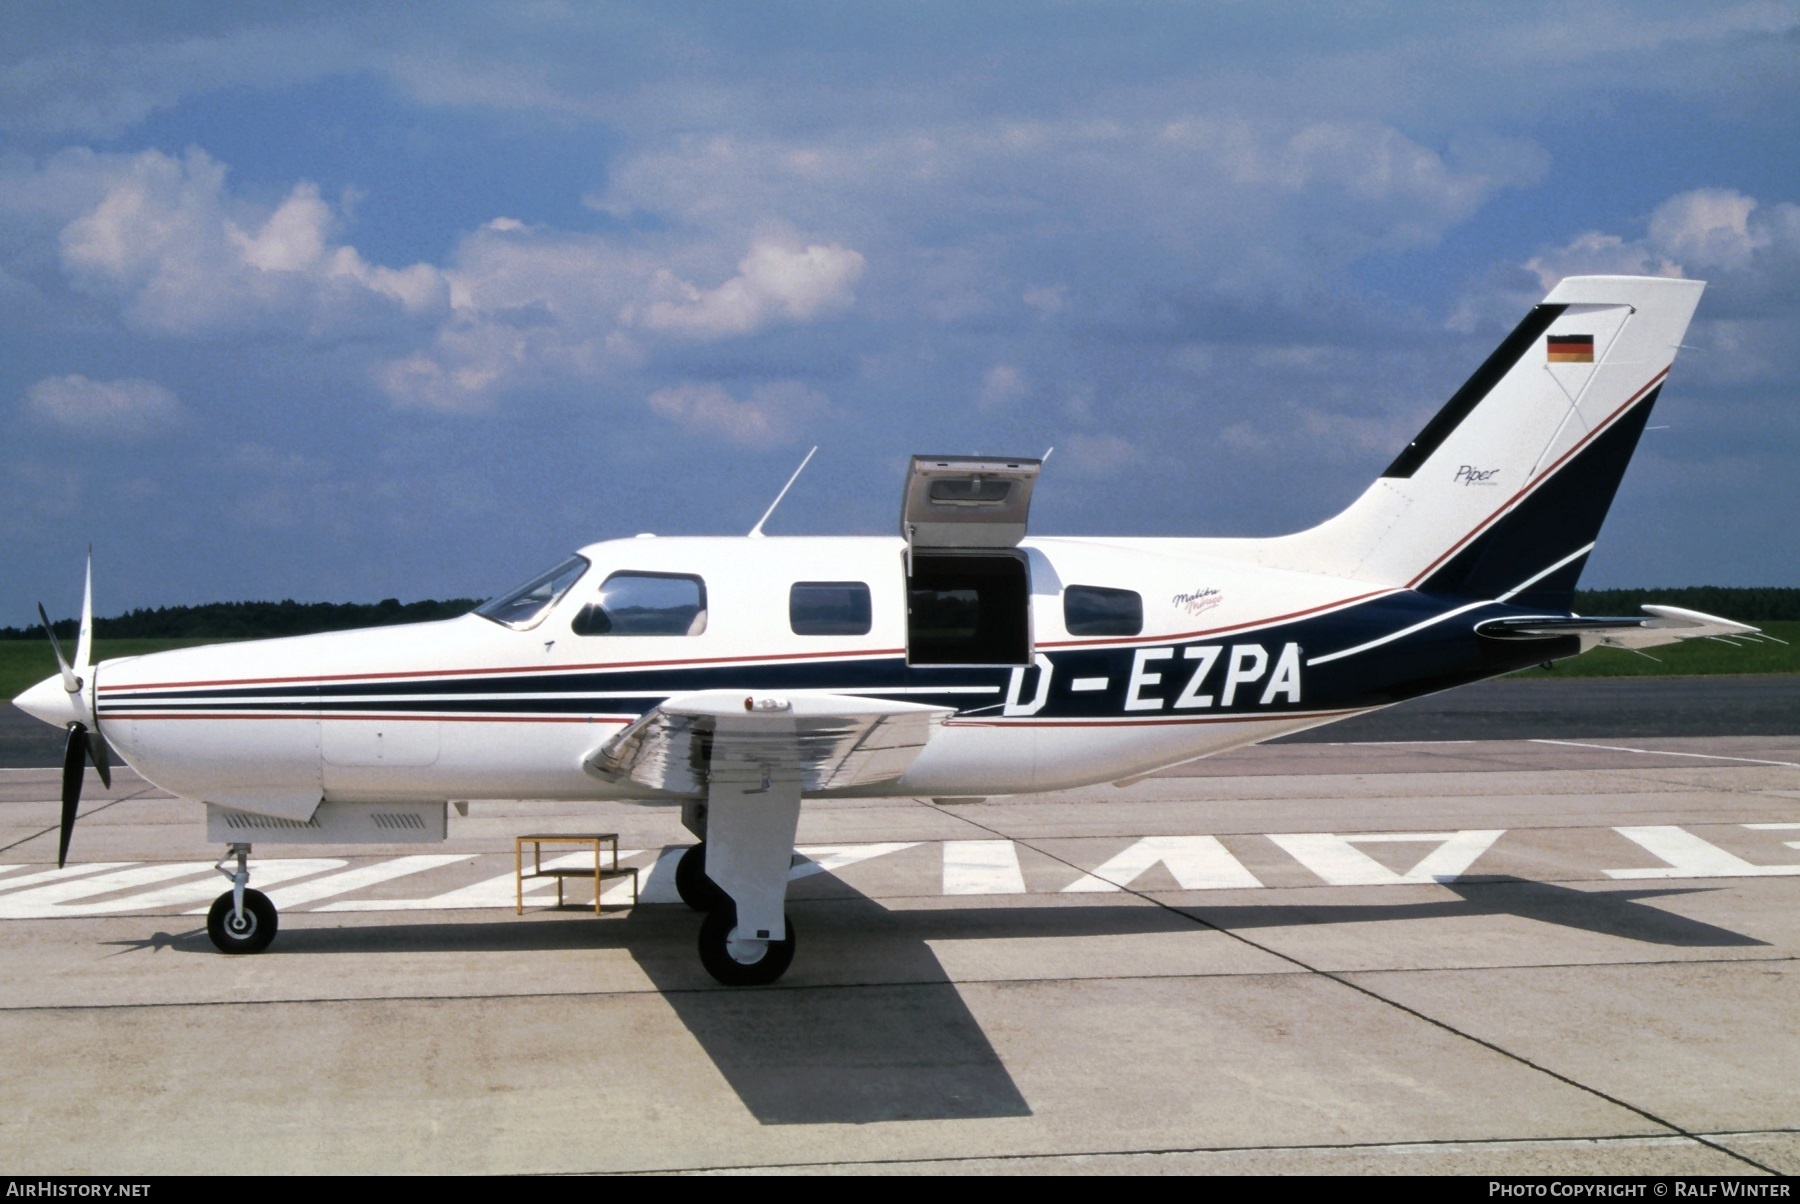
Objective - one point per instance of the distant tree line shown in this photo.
(261, 620)
(252, 620)
(1746, 604)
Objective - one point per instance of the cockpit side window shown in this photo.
(645, 604)
(1096, 610)
(526, 606)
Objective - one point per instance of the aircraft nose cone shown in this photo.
(49, 701)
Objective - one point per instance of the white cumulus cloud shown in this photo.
(184, 256)
(108, 408)
(531, 307)
(772, 414)
(1259, 195)
(1099, 455)
(1002, 385)
(774, 283)
(1704, 232)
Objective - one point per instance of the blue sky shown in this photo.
(332, 303)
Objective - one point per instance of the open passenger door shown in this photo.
(968, 586)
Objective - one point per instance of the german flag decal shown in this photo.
(1571, 348)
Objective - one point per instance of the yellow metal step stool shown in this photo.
(599, 873)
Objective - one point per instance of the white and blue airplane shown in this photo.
(736, 676)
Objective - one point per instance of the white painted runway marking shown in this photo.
(63, 875)
(210, 885)
(361, 876)
(1339, 862)
(1663, 752)
(825, 859)
(1388, 743)
(499, 891)
(45, 902)
(1197, 863)
(968, 867)
(1792, 844)
(982, 867)
(655, 885)
(1691, 857)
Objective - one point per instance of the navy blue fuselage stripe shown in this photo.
(1560, 517)
(1435, 657)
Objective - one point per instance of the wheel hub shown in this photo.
(746, 950)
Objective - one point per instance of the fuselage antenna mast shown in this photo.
(756, 532)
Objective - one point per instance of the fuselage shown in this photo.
(1215, 652)
(737, 676)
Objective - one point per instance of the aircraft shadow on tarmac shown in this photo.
(868, 1026)
(1614, 913)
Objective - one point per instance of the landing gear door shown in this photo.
(968, 585)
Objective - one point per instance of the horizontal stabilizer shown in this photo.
(1667, 625)
(823, 741)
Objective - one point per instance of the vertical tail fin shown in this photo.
(1503, 492)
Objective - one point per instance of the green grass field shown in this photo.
(25, 662)
(1690, 658)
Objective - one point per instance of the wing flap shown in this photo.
(823, 741)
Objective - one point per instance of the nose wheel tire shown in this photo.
(738, 961)
(691, 883)
(250, 934)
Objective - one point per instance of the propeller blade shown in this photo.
(84, 643)
(98, 750)
(74, 756)
(71, 683)
(101, 754)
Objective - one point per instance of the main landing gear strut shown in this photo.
(241, 920)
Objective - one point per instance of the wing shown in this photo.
(823, 741)
(1667, 625)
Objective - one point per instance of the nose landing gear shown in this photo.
(241, 920)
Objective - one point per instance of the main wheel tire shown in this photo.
(722, 962)
(250, 935)
(691, 883)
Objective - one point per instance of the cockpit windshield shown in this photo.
(524, 607)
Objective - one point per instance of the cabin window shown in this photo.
(526, 606)
(1096, 610)
(829, 608)
(968, 609)
(645, 604)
